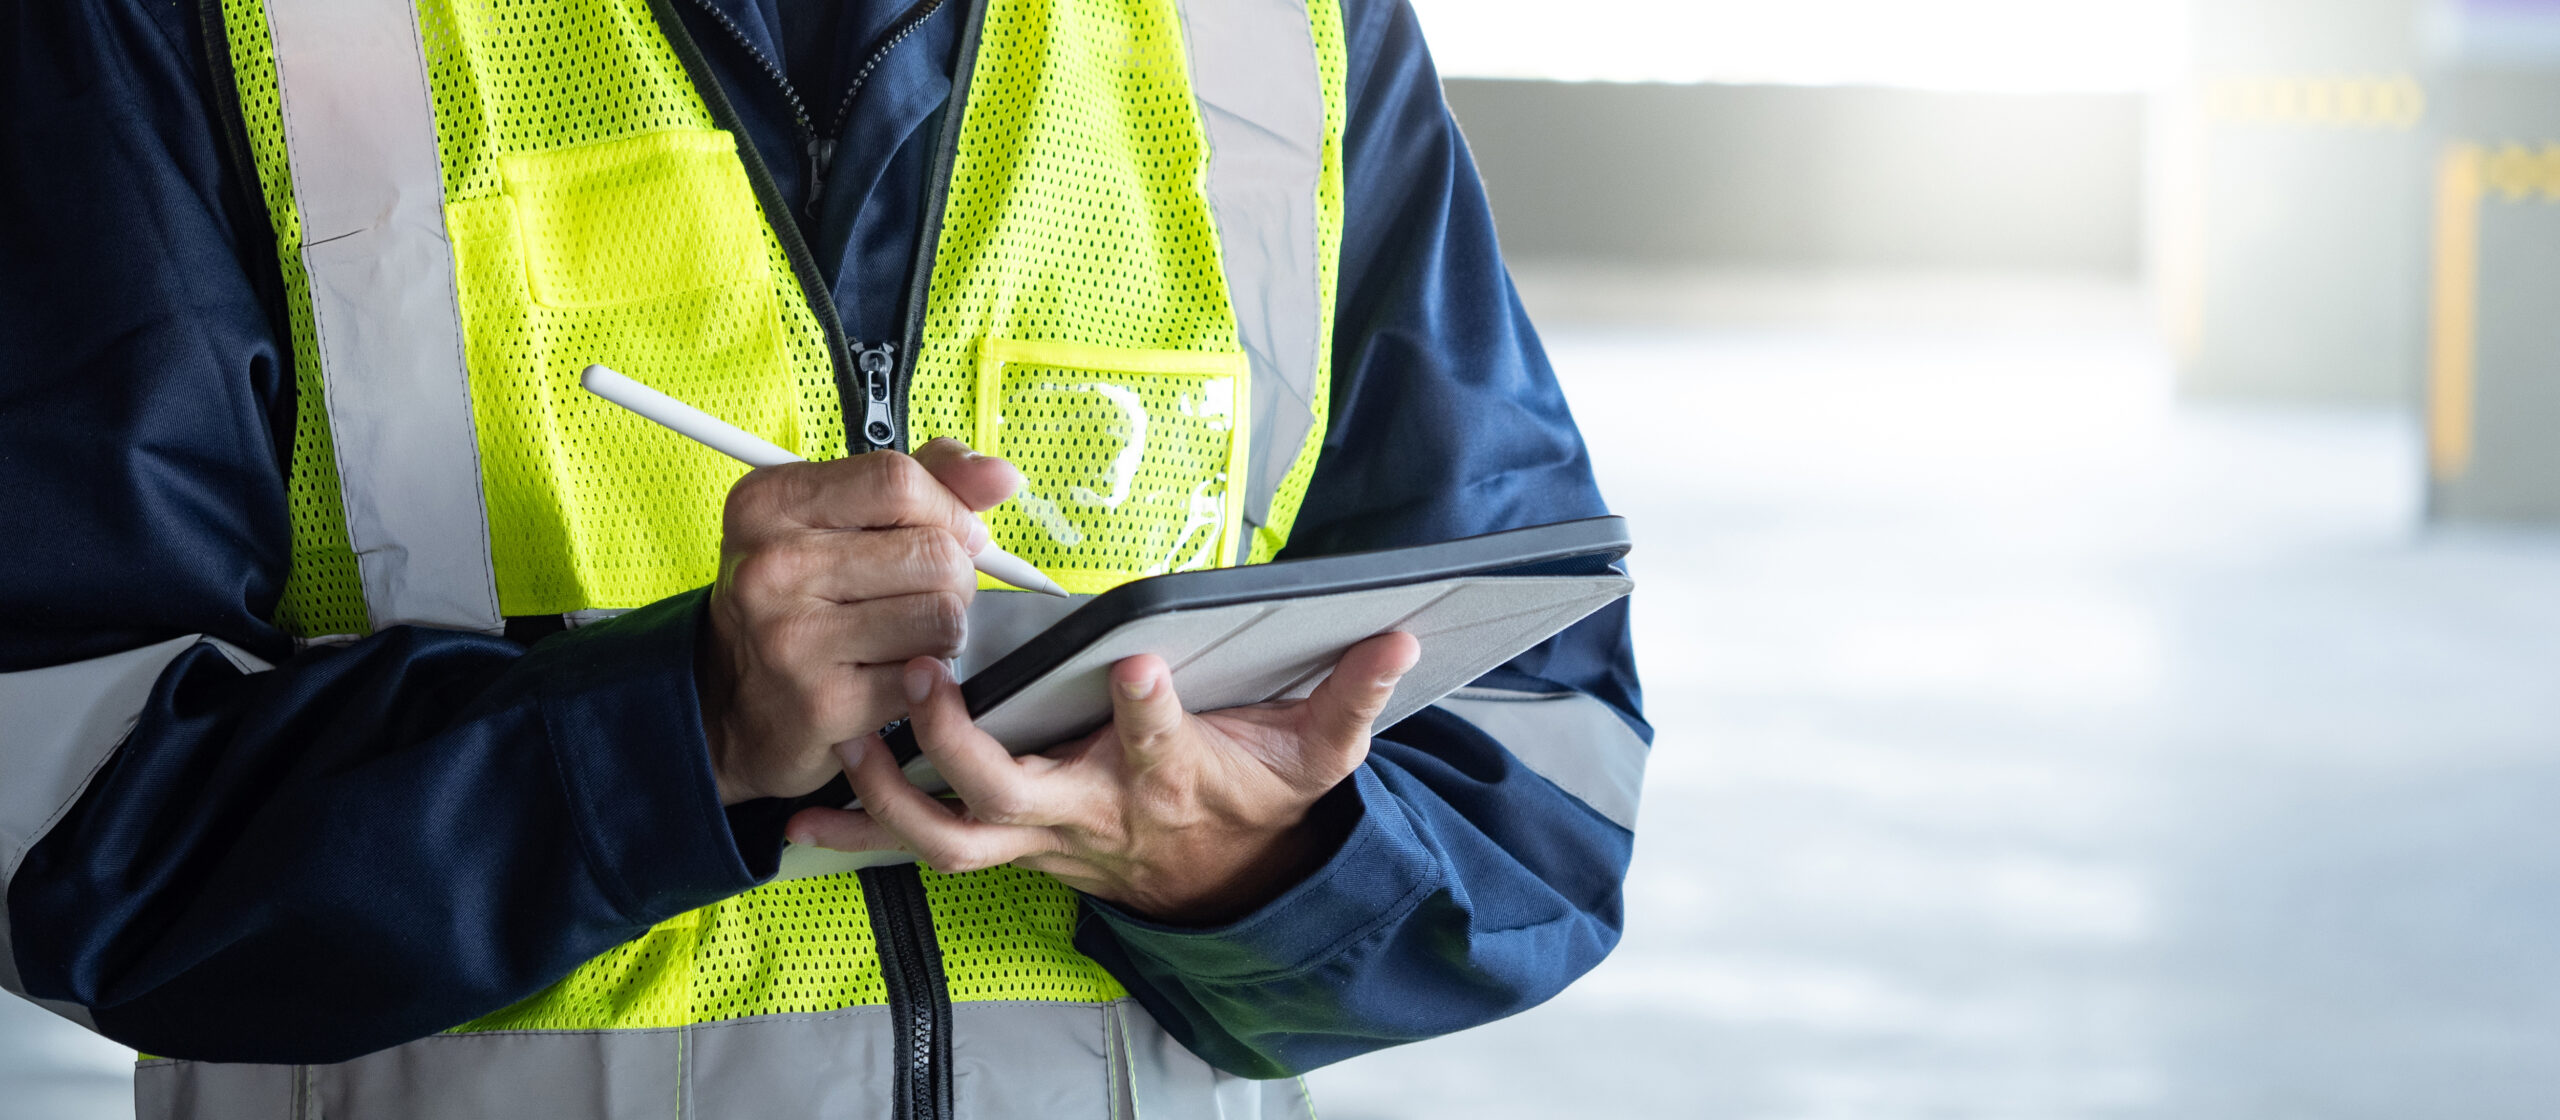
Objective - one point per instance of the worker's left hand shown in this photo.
(1186, 819)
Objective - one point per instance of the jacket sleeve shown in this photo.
(292, 856)
(1495, 828)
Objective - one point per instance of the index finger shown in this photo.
(980, 481)
(875, 490)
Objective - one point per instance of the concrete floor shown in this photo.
(2030, 747)
(2034, 747)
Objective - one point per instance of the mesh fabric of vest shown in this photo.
(597, 215)
(805, 945)
(1078, 224)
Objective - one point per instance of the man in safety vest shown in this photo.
(390, 729)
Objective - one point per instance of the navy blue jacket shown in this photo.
(373, 843)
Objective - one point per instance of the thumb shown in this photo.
(1143, 707)
(1340, 712)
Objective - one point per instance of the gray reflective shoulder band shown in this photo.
(1009, 1058)
(1253, 71)
(1569, 738)
(360, 135)
(63, 722)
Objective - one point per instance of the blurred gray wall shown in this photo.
(2297, 173)
(1811, 177)
(2494, 395)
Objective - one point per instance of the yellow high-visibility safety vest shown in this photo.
(1128, 292)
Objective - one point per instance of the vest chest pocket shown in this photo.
(648, 253)
(635, 219)
(1129, 457)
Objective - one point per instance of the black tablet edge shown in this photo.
(1537, 550)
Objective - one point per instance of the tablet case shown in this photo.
(1239, 636)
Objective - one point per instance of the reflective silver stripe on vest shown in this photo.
(1253, 70)
(1168, 1081)
(360, 134)
(162, 1087)
(1569, 738)
(1009, 1061)
(63, 722)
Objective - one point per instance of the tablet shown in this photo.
(1265, 632)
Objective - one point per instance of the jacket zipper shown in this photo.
(822, 149)
(777, 210)
(781, 81)
(919, 994)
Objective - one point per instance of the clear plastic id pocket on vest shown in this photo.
(1130, 458)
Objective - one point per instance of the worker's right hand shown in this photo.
(832, 576)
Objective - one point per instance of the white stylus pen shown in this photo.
(730, 440)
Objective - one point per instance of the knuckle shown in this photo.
(945, 622)
(748, 501)
(903, 485)
(931, 558)
(771, 568)
(947, 560)
(765, 495)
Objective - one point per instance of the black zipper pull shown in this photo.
(822, 154)
(877, 364)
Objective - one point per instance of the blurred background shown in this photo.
(2096, 469)
(2096, 474)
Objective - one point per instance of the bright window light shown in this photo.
(1995, 45)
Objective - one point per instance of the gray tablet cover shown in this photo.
(1249, 653)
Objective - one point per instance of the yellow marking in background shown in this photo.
(2393, 102)
(2452, 346)
(2516, 172)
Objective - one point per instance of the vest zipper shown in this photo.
(919, 994)
(877, 362)
(937, 197)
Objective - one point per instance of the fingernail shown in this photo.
(1138, 689)
(850, 751)
(975, 540)
(801, 836)
(920, 682)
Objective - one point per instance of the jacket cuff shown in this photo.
(1379, 874)
(619, 705)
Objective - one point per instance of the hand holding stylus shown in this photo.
(745, 447)
(832, 576)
